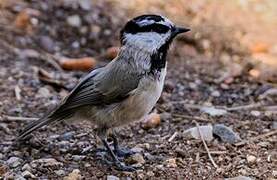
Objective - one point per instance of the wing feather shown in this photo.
(103, 86)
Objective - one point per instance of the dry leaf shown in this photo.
(151, 121)
(83, 64)
(259, 47)
(112, 52)
(22, 20)
(255, 73)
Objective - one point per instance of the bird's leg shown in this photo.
(119, 165)
(119, 151)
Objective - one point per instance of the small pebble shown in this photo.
(44, 92)
(215, 93)
(239, 178)
(47, 43)
(74, 175)
(26, 167)
(136, 159)
(180, 152)
(46, 162)
(251, 159)
(28, 174)
(150, 174)
(274, 125)
(165, 116)
(60, 172)
(171, 163)
(74, 21)
(78, 157)
(274, 173)
(66, 136)
(11, 176)
(87, 165)
(160, 167)
(255, 113)
(14, 162)
(111, 177)
(137, 149)
(85, 4)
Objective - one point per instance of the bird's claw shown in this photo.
(123, 152)
(119, 152)
(122, 167)
(118, 164)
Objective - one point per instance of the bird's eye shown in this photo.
(159, 28)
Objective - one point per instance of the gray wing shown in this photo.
(103, 86)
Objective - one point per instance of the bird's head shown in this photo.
(149, 32)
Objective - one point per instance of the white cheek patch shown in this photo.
(149, 41)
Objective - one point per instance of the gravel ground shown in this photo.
(197, 78)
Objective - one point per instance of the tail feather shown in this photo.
(56, 116)
(33, 126)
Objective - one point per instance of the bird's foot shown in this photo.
(122, 167)
(119, 152)
(123, 152)
(104, 157)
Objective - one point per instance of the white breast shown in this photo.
(141, 100)
(135, 107)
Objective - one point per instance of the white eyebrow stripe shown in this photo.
(148, 22)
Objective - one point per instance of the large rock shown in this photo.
(206, 132)
(225, 133)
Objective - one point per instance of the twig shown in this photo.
(236, 108)
(216, 152)
(245, 107)
(192, 106)
(270, 108)
(173, 136)
(9, 28)
(257, 137)
(45, 77)
(49, 58)
(191, 117)
(205, 145)
(14, 118)
(272, 91)
(17, 92)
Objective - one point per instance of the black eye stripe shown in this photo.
(133, 28)
(159, 28)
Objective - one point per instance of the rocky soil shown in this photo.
(210, 89)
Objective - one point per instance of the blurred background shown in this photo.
(222, 72)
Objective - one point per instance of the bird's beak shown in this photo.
(179, 30)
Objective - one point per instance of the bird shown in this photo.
(123, 91)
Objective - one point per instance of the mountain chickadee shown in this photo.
(126, 89)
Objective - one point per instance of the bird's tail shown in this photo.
(55, 116)
(33, 126)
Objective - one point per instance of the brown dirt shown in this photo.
(200, 64)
